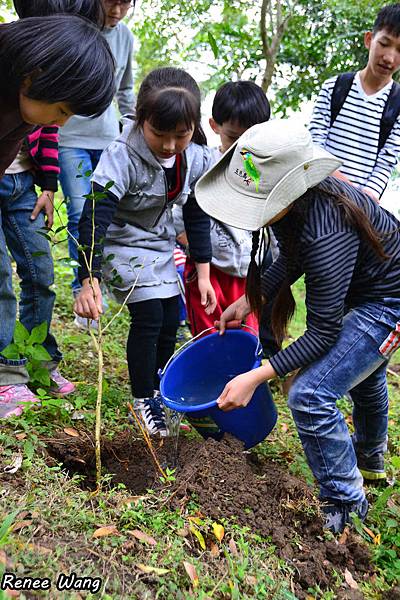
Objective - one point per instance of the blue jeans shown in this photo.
(74, 162)
(356, 364)
(19, 235)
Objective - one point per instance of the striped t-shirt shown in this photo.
(354, 136)
(341, 270)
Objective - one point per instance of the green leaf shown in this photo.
(213, 44)
(39, 253)
(6, 524)
(29, 449)
(20, 333)
(11, 352)
(40, 375)
(38, 334)
(109, 185)
(39, 353)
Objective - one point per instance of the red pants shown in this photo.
(228, 288)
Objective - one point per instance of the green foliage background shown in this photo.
(323, 37)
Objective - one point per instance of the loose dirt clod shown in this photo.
(227, 482)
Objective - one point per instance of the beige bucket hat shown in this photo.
(271, 165)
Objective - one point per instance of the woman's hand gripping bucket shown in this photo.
(197, 373)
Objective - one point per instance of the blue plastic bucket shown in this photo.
(195, 376)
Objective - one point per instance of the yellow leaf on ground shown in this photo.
(199, 536)
(20, 436)
(377, 539)
(143, 537)
(350, 580)
(191, 571)
(71, 431)
(155, 570)
(106, 530)
(219, 531)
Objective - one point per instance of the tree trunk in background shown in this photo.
(271, 42)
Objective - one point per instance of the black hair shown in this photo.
(242, 102)
(61, 58)
(291, 229)
(90, 9)
(388, 18)
(169, 96)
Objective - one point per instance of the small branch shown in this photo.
(147, 440)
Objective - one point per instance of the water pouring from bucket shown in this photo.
(194, 378)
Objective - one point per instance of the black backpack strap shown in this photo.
(340, 91)
(389, 115)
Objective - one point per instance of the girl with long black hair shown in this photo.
(348, 249)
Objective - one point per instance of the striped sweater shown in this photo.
(341, 270)
(354, 135)
(42, 145)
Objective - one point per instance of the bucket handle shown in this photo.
(258, 349)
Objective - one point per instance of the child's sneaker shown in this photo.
(61, 386)
(372, 468)
(152, 413)
(337, 514)
(13, 398)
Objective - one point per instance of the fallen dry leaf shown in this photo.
(148, 569)
(343, 538)
(250, 579)
(20, 436)
(106, 530)
(18, 525)
(219, 531)
(183, 532)
(191, 571)
(351, 582)
(143, 537)
(233, 547)
(131, 500)
(214, 550)
(71, 431)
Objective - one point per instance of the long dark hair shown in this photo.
(90, 9)
(61, 58)
(167, 97)
(292, 226)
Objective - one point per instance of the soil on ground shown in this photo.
(226, 481)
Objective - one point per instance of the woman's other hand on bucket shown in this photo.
(238, 392)
(237, 311)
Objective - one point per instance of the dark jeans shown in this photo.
(31, 252)
(151, 342)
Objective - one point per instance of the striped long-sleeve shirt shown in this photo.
(42, 146)
(341, 271)
(354, 135)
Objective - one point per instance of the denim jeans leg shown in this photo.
(74, 163)
(321, 426)
(31, 252)
(11, 371)
(370, 414)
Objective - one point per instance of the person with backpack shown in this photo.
(356, 115)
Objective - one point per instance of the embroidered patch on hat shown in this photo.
(251, 168)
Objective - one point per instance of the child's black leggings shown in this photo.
(151, 342)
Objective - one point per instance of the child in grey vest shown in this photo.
(154, 163)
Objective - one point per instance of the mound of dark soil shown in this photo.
(227, 482)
